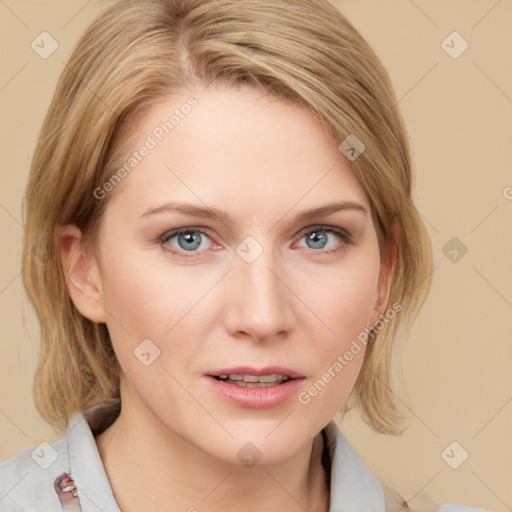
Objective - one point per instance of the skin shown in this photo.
(263, 161)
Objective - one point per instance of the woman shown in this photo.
(221, 246)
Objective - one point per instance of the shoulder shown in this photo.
(455, 507)
(27, 479)
(36, 478)
(353, 485)
(394, 503)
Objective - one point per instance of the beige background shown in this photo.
(456, 376)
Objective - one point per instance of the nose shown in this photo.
(260, 304)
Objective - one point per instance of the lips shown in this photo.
(255, 388)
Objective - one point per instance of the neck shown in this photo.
(179, 476)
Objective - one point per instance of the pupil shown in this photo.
(191, 238)
(318, 239)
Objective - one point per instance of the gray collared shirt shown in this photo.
(27, 479)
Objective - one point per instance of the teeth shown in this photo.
(270, 378)
(253, 384)
(250, 378)
(255, 379)
(235, 376)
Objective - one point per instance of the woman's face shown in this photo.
(277, 265)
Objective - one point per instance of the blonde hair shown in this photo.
(138, 52)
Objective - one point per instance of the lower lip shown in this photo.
(256, 397)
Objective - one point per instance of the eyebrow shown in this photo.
(214, 213)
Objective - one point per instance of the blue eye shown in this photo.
(317, 239)
(323, 239)
(186, 239)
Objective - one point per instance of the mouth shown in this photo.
(253, 381)
(255, 377)
(255, 388)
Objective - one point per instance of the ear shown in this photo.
(81, 270)
(385, 277)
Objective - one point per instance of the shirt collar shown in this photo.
(353, 487)
(87, 468)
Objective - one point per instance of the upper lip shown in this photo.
(248, 370)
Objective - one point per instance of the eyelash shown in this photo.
(346, 238)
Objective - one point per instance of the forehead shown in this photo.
(234, 147)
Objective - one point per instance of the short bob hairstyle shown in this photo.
(138, 52)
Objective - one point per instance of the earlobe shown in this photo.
(81, 272)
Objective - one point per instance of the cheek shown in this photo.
(337, 356)
(140, 293)
(135, 298)
(344, 301)
(145, 301)
(344, 310)
(133, 295)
